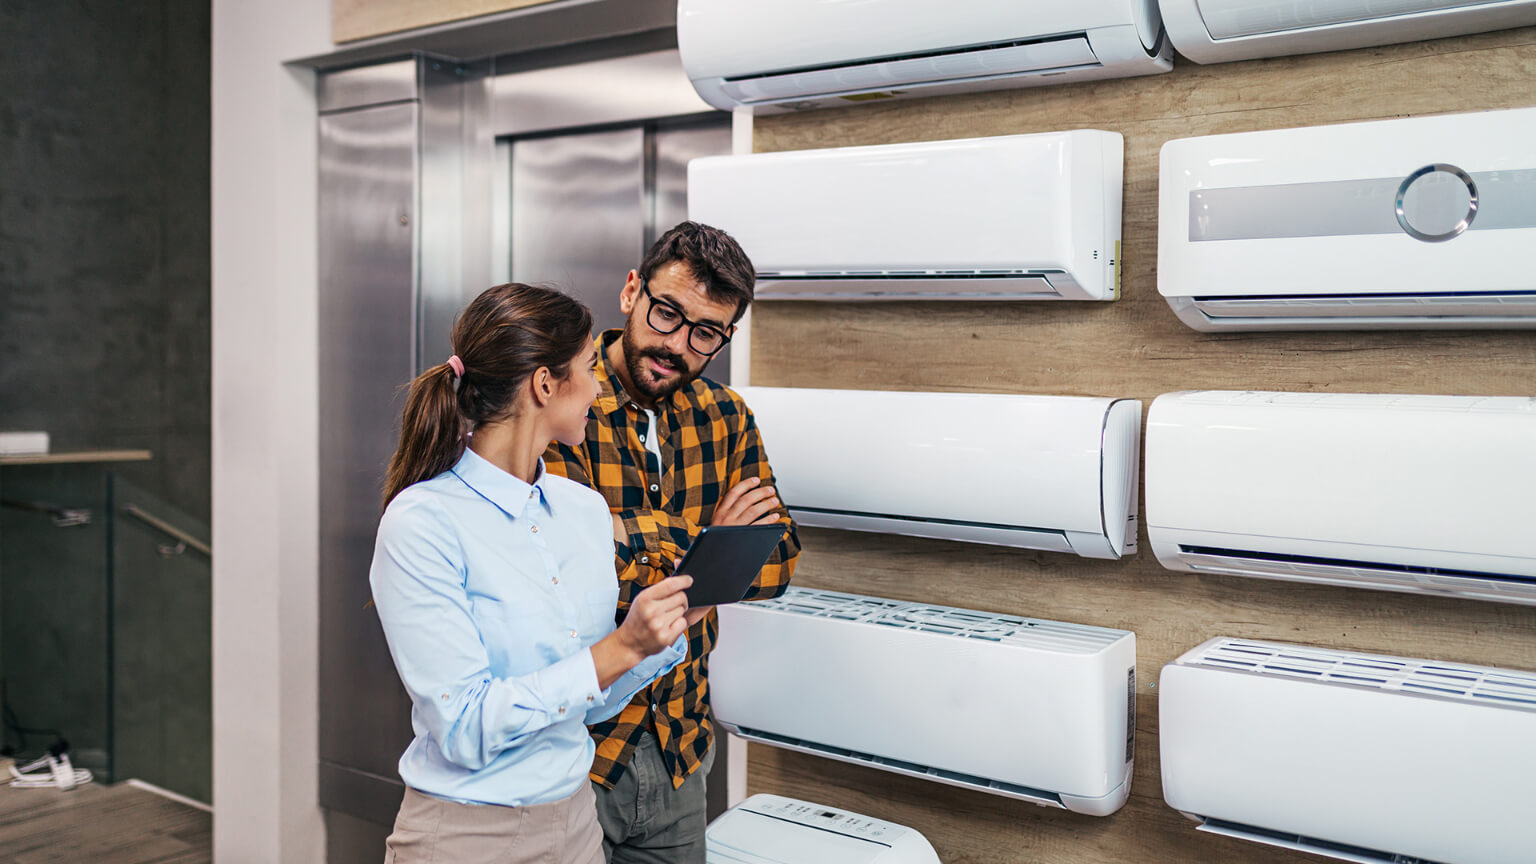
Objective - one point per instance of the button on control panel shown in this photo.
(833, 820)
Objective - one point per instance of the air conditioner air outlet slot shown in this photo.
(1347, 566)
(1038, 285)
(911, 769)
(1286, 840)
(925, 68)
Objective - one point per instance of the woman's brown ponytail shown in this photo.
(501, 338)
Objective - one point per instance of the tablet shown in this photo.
(724, 560)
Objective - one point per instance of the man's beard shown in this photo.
(634, 361)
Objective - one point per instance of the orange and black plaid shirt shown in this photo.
(709, 443)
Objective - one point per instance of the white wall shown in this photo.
(264, 432)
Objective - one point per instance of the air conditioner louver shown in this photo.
(983, 61)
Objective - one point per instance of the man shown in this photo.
(672, 452)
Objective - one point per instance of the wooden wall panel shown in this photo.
(352, 20)
(1133, 347)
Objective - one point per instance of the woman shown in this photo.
(495, 585)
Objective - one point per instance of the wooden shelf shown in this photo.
(77, 456)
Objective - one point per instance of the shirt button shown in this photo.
(653, 487)
(555, 580)
(589, 698)
(532, 493)
(535, 529)
(644, 559)
(562, 709)
(642, 436)
(573, 634)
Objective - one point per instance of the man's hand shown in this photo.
(747, 503)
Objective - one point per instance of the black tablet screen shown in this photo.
(724, 560)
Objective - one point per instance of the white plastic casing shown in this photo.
(1354, 756)
(1295, 229)
(1216, 31)
(1012, 217)
(1429, 494)
(804, 54)
(1041, 711)
(770, 829)
(1039, 472)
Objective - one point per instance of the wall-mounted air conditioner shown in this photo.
(1359, 757)
(1431, 494)
(1215, 31)
(1010, 218)
(770, 829)
(802, 54)
(1423, 222)
(1040, 711)
(1056, 473)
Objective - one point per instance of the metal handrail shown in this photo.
(63, 517)
(175, 533)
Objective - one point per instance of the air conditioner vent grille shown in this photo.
(942, 620)
(911, 769)
(1469, 683)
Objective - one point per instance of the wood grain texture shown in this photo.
(352, 20)
(101, 825)
(1134, 347)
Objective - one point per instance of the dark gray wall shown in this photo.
(104, 242)
(104, 342)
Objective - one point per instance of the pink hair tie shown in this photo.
(456, 365)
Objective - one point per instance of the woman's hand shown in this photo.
(656, 616)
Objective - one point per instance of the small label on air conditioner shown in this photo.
(1130, 714)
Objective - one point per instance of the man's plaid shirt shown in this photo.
(709, 443)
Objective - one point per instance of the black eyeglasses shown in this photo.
(665, 317)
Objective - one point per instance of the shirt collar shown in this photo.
(507, 492)
(612, 398)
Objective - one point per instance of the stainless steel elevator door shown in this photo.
(367, 161)
(586, 205)
(577, 203)
(671, 149)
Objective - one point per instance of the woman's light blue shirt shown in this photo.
(491, 591)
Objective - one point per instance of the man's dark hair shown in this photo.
(713, 256)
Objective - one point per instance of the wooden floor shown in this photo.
(101, 825)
